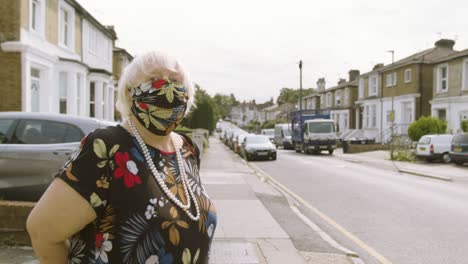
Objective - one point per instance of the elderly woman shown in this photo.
(131, 193)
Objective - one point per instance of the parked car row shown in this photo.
(33, 148)
(247, 145)
(446, 148)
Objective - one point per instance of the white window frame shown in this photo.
(346, 96)
(440, 79)
(373, 110)
(39, 25)
(391, 79)
(361, 88)
(65, 89)
(338, 98)
(71, 23)
(465, 75)
(408, 75)
(373, 89)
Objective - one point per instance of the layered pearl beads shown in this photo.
(159, 179)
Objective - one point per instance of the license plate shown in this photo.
(262, 153)
(422, 149)
(457, 149)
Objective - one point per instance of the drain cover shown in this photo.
(233, 252)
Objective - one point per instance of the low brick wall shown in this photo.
(358, 148)
(13, 216)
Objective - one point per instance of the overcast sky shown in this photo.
(252, 47)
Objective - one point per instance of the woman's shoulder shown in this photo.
(189, 146)
(111, 134)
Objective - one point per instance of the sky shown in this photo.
(251, 48)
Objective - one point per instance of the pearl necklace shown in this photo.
(157, 176)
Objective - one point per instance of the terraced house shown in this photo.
(342, 106)
(393, 96)
(55, 57)
(450, 90)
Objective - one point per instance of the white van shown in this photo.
(433, 147)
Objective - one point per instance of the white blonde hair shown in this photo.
(150, 65)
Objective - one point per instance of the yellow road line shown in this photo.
(330, 221)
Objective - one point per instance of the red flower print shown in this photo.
(143, 106)
(126, 168)
(99, 239)
(159, 83)
(83, 141)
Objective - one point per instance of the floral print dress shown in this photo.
(136, 222)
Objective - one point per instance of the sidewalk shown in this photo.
(381, 159)
(247, 232)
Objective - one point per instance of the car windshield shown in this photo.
(321, 127)
(424, 140)
(461, 138)
(257, 140)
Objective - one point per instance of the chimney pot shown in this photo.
(353, 75)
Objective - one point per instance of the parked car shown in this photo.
(270, 133)
(459, 148)
(240, 139)
(283, 135)
(434, 147)
(258, 147)
(236, 140)
(34, 146)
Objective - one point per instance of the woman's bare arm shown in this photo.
(59, 214)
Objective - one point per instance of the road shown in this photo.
(407, 219)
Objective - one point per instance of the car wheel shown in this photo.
(330, 151)
(446, 158)
(274, 157)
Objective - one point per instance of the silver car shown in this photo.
(33, 148)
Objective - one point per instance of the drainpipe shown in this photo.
(421, 69)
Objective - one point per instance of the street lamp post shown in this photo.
(392, 113)
(300, 85)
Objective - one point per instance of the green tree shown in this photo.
(426, 125)
(289, 95)
(204, 114)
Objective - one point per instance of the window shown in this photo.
(78, 93)
(361, 88)
(345, 120)
(63, 87)
(407, 75)
(373, 116)
(35, 89)
(93, 40)
(391, 79)
(47, 132)
(329, 100)
(37, 16)
(442, 78)
(389, 116)
(465, 75)
(5, 127)
(92, 88)
(338, 98)
(367, 116)
(373, 86)
(66, 25)
(442, 114)
(322, 100)
(346, 97)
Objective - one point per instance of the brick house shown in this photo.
(56, 58)
(401, 91)
(450, 90)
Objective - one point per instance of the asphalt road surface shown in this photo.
(406, 219)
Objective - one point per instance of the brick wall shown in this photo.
(13, 216)
(11, 81)
(10, 20)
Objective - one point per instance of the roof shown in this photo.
(425, 56)
(109, 31)
(463, 53)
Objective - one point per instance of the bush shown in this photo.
(464, 125)
(404, 155)
(426, 125)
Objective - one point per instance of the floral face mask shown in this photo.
(159, 105)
